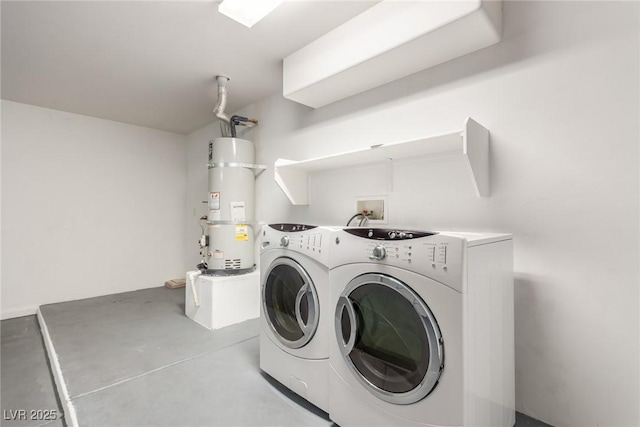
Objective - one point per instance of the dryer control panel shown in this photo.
(387, 234)
(432, 254)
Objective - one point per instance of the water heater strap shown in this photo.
(213, 222)
(235, 165)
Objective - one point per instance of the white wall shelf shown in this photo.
(472, 143)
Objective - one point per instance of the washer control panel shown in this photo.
(291, 228)
(432, 254)
(311, 240)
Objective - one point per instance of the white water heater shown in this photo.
(230, 215)
(227, 245)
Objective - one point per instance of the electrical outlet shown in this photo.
(374, 207)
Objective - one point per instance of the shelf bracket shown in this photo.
(294, 182)
(476, 154)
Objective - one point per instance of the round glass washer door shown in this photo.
(290, 303)
(389, 338)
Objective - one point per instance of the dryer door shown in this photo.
(389, 338)
(290, 302)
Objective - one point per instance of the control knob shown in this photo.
(284, 241)
(379, 252)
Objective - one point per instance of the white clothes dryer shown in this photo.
(423, 329)
(294, 334)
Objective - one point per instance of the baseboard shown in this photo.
(19, 312)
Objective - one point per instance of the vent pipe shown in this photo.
(228, 124)
(221, 105)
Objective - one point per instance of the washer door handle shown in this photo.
(344, 304)
(306, 327)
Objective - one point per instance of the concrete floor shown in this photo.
(135, 359)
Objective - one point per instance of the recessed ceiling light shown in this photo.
(247, 12)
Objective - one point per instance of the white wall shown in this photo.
(89, 207)
(560, 95)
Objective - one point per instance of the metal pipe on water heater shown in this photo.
(218, 111)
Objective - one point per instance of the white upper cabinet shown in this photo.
(391, 40)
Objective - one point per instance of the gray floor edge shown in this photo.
(67, 406)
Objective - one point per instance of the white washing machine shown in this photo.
(423, 329)
(294, 336)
